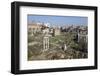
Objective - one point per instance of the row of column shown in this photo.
(45, 43)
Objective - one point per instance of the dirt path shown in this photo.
(32, 43)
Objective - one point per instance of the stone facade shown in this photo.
(34, 28)
(56, 31)
(83, 34)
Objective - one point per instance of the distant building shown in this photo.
(56, 31)
(34, 28)
(83, 35)
(83, 31)
(37, 27)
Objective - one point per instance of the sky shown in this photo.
(59, 20)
